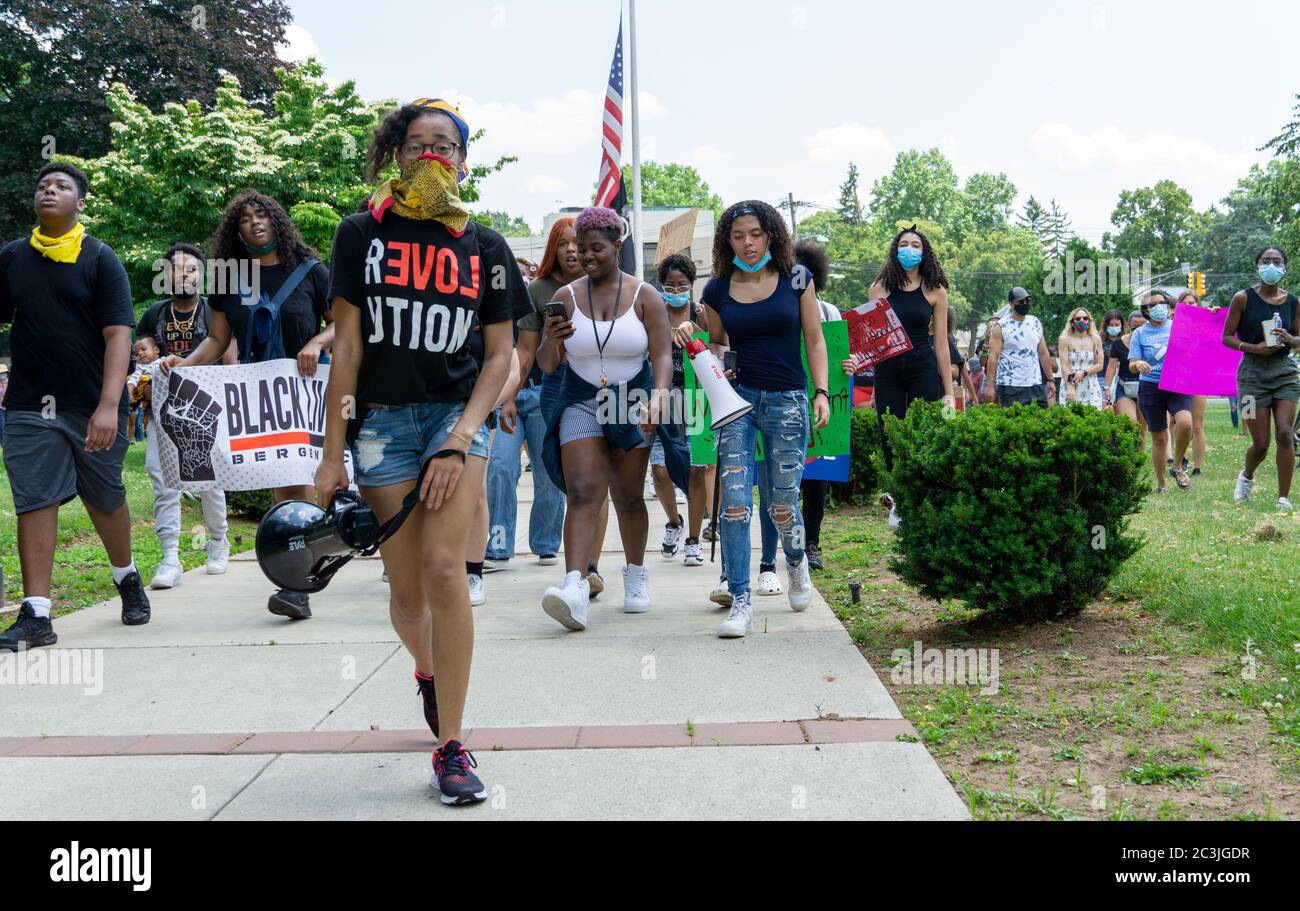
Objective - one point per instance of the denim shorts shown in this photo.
(395, 442)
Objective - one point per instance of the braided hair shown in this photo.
(778, 238)
(893, 277)
(226, 244)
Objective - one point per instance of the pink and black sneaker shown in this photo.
(453, 776)
(430, 696)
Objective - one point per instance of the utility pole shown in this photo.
(794, 224)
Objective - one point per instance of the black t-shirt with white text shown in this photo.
(419, 288)
(175, 331)
(302, 314)
(59, 313)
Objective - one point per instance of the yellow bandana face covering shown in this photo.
(63, 249)
(427, 191)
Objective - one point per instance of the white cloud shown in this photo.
(544, 183)
(1156, 153)
(868, 147)
(298, 45)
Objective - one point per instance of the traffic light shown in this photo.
(1200, 285)
(1191, 281)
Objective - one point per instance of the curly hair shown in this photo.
(778, 238)
(813, 258)
(893, 277)
(1260, 254)
(679, 263)
(391, 133)
(551, 256)
(226, 244)
(78, 176)
(597, 218)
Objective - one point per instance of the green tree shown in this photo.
(921, 187)
(988, 265)
(989, 202)
(58, 57)
(673, 184)
(850, 209)
(1056, 292)
(505, 224)
(1230, 237)
(1287, 143)
(1034, 218)
(1057, 230)
(1155, 223)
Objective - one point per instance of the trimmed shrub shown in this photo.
(1022, 511)
(250, 504)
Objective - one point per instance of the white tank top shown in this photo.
(624, 354)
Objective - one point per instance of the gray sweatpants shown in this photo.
(167, 504)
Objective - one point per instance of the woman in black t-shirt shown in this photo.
(409, 278)
(257, 233)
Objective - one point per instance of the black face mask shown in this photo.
(1023, 308)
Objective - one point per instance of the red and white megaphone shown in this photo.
(726, 406)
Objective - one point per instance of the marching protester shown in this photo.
(1199, 402)
(761, 305)
(685, 320)
(69, 300)
(1081, 361)
(257, 236)
(1120, 378)
(598, 439)
(917, 290)
(1020, 363)
(1147, 350)
(422, 401)
(1264, 324)
(177, 326)
(961, 374)
(522, 421)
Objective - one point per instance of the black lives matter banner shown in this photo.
(243, 427)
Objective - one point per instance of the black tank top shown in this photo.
(1251, 330)
(916, 314)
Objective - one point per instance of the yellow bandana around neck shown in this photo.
(428, 192)
(63, 249)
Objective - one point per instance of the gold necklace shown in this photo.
(177, 324)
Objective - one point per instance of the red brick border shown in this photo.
(516, 739)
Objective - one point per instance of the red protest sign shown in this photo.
(875, 334)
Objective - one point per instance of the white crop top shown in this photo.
(624, 354)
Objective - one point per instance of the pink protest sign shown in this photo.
(1198, 363)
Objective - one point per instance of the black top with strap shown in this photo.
(1251, 330)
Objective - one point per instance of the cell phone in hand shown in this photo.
(556, 310)
(731, 362)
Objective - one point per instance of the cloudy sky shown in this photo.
(1072, 100)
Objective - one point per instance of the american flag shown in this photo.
(610, 184)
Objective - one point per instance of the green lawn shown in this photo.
(81, 575)
(1136, 686)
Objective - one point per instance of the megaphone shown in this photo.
(301, 547)
(727, 407)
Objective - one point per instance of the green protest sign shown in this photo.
(831, 440)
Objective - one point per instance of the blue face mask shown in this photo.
(677, 301)
(909, 257)
(1271, 274)
(1114, 331)
(1159, 313)
(757, 267)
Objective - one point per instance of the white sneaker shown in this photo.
(569, 604)
(1284, 505)
(672, 540)
(800, 587)
(636, 590)
(477, 591)
(740, 622)
(694, 555)
(769, 585)
(218, 558)
(1244, 489)
(495, 566)
(894, 520)
(167, 575)
(722, 594)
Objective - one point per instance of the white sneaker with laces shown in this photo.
(722, 594)
(1284, 505)
(673, 535)
(769, 585)
(694, 555)
(168, 574)
(800, 587)
(477, 591)
(740, 622)
(1245, 488)
(218, 558)
(636, 590)
(569, 604)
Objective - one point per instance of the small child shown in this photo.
(138, 384)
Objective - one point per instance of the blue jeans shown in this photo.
(782, 418)
(546, 521)
(395, 442)
(766, 527)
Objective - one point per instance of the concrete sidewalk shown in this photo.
(219, 710)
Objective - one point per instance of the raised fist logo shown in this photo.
(189, 418)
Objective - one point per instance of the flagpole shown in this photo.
(634, 84)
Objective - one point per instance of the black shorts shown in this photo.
(1157, 404)
(48, 465)
(1022, 395)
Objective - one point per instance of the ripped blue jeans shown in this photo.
(782, 418)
